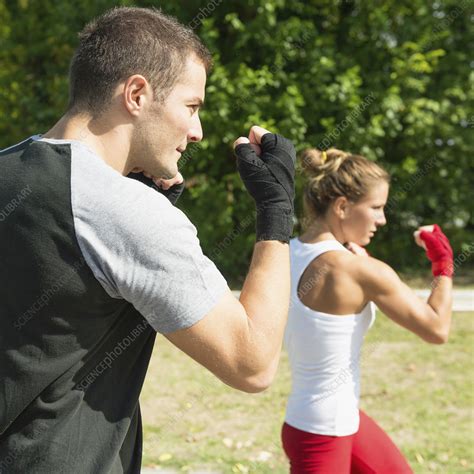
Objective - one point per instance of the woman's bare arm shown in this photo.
(429, 320)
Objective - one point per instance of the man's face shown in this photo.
(167, 127)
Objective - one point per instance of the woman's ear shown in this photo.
(340, 207)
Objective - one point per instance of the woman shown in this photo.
(332, 296)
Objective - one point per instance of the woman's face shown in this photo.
(362, 219)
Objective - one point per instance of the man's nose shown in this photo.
(195, 133)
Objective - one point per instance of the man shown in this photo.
(93, 263)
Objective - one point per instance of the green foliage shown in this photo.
(392, 80)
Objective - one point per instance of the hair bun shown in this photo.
(312, 160)
(316, 162)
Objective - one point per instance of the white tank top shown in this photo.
(324, 352)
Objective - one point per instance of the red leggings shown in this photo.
(368, 451)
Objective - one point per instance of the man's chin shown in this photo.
(171, 172)
(162, 173)
(168, 174)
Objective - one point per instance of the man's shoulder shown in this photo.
(18, 147)
(118, 209)
(98, 188)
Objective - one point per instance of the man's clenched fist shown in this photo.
(266, 163)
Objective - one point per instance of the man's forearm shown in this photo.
(265, 297)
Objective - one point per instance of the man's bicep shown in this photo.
(215, 340)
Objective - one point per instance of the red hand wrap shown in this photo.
(439, 251)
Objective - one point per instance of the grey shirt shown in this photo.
(139, 246)
(92, 264)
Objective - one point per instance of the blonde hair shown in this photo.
(334, 173)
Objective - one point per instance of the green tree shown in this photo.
(392, 80)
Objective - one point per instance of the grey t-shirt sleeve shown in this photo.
(140, 247)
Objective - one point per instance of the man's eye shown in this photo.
(194, 108)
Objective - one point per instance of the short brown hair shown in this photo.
(126, 41)
(334, 173)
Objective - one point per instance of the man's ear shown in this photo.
(137, 93)
(340, 207)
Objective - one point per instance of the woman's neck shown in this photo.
(318, 231)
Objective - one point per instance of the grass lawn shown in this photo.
(421, 394)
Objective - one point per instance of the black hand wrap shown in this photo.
(270, 181)
(172, 193)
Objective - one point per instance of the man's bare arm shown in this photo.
(240, 341)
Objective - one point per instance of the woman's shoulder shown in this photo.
(372, 274)
(333, 288)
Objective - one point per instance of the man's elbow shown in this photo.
(255, 383)
(255, 374)
(259, 383)
(438, 337)
(441, 339)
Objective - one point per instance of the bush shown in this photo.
(392, 81)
